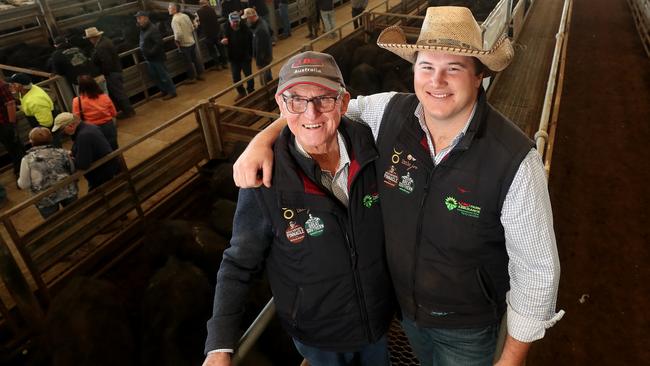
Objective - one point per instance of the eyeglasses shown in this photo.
(323, 103)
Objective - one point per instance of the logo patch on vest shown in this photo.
(406, 184)
(314, 226)
(463, 208)
(295, 233)
(370, 199)
(390, 177)
(409, 162)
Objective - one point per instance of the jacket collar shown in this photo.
(295, 172)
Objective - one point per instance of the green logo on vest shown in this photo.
(369, 200)
(314, 226)
(463, 208)
(451, 203)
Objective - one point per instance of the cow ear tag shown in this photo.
(314, 226)
(295, 233)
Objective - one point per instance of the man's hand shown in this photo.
(514, 353)
(256, 157)
(224, 41)
(218, 359)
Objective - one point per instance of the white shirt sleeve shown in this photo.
(369, 110)
(24, 179)
(534, 265)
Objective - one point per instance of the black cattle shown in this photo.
(87, 325)
(175, 308)
(30, 56)
(185, 240)
(364, 80)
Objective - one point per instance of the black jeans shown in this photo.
(217, 50)
(115, 86)
(194, 66)
(235, 69)
(11, 141)
(355, 12)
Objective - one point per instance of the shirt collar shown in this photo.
(344, 158)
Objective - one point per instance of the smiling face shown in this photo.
(446, 85)
(314, 130)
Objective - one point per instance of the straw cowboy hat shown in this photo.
(92, 32)
(452, 30)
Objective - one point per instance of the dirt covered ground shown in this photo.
(599, 191)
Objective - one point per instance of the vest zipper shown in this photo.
(357, 284)
(418, 238)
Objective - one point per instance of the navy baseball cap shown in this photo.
(20, 78)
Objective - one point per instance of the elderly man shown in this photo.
(35, 103)
(315, 231)
(262, 42)
(89, 146)
(471, 228)
(184, 38)
(107, 59)
(153, 50)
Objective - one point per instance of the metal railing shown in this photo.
(641, 14)
(544, 140)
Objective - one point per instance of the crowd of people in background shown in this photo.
(100, 99)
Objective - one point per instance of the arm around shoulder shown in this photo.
(258, 156)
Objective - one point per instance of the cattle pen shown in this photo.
(37, 260)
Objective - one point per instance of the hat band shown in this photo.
(450, 45)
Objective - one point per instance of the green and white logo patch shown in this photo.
(463, 208)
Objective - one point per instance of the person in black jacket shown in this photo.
(106, 58)
(208, 25)
(262, 43)
(70, 62)
(89, 146)
(153, 50)
(317, 231)
(239, 40)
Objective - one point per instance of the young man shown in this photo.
(316, 231)
(471, 228)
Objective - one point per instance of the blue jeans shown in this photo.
(328, 20)
(159, 75)
(450, 347)
(375, 354)
(284, 16)
(48, 211)
(194, 65)
(236, 69)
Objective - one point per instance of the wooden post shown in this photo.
(19, 289)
